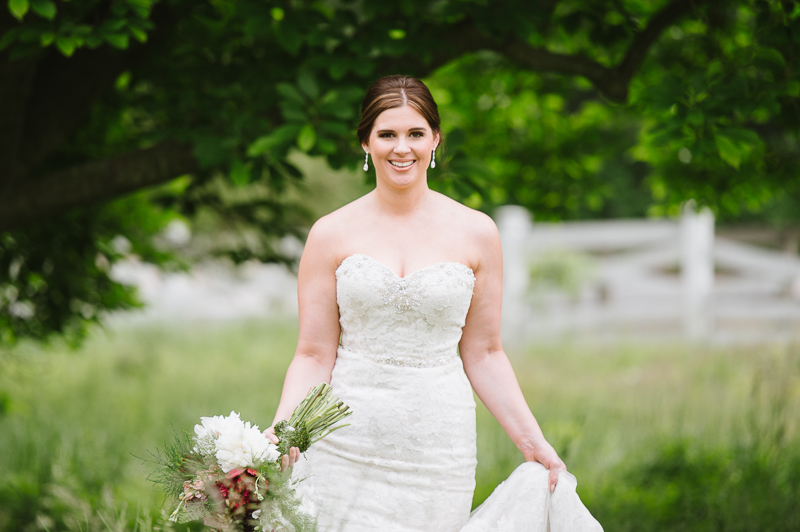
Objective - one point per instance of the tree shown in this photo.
(100, 99)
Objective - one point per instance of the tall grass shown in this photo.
(660, 437)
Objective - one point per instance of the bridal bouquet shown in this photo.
(228, 473)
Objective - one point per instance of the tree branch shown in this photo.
(95, 181)
(16, 79)
(637, 51)
(612, 82)
(63, 90)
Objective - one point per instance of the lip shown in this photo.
(402, 169)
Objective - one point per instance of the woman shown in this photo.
(411, 279)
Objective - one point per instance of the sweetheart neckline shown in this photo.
(391, 271)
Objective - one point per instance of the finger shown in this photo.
(284, 462)
(270, 435)
(295, 452)
(553, 478)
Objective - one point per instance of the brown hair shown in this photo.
(396, 91)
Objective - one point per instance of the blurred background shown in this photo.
(162, 161)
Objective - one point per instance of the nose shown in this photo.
(401, 148)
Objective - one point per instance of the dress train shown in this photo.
(524, 503)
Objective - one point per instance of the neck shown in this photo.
(401, 201)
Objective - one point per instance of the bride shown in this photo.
(399, 296)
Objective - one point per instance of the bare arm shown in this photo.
(319, 326)
(487, 365)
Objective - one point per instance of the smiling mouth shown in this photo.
(404, 164)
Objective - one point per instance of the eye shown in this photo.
(417, 134)
(385, 135)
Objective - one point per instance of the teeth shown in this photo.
(401, 165)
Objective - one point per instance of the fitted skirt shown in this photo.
(407, 461)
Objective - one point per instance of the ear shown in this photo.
(365, 146)
(436, 139)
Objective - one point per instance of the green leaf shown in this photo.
(138, 33)
(47, 38)
(728, 150)
(306, 138)
(93, 41)
(323, 8)
(340, 110)
(695, 118)
(113, 25)
(83, 30)
(740, 134)
(66, 45)
(239, 173)
(326, 146)
(293, 113)
(118, 40)
(288, 91)
(267, 143)
(663, 133)
(771, 56)
(123, 81)
(335, 128)
(44, 8)
(141, 11)
(289, 38)
(18, 8)
(308, 84)
(338, 68)
(8, 38)
(397, 34)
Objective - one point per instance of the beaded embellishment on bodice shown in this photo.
(414, 320)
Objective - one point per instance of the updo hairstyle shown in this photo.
(396, 91)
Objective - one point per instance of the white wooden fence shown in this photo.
(650, 278)
(639, 279)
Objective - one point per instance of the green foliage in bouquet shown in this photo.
(176, 464)
(312, 420)
(229, 475)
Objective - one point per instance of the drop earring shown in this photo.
(433, 158)
(366, 161)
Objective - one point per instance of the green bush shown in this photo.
(665, 437)
(683, 488)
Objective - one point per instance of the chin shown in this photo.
(405, 180)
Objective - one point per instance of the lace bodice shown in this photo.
(406, 461)
(414, 320)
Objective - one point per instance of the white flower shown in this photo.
(233, 442)
(243, 446)
(209, 431)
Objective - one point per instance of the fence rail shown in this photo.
(600, 279)
(652, 278)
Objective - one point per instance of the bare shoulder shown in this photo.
(472, 232)
(475, 224)
(326, 237)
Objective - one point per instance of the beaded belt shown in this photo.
(406, 361)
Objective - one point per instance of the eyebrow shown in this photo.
(392, 130)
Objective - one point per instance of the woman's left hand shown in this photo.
(287, 460)
(544, 453)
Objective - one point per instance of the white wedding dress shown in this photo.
(407, 461)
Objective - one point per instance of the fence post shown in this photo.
(514, 224)
(697, 269)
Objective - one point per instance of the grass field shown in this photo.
(660, 437)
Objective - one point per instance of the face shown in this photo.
(400, 145)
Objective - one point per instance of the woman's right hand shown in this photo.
(287, 460)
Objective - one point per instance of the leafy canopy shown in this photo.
(573, 109)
